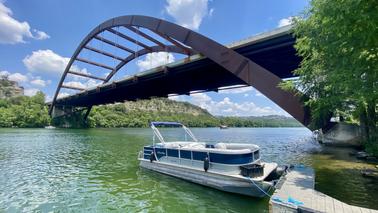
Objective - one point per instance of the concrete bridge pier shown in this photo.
(61, 111)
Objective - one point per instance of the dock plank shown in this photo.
(364, 210)
(329, 205)
(338, 205)
(356, 209)
(347, 208)
(299, 185)
(321, 201)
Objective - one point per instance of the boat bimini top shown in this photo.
(157, 134)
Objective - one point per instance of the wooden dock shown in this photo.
(298, 186)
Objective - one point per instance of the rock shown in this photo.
(371, 159)
(370, 173)
(341, 134)
(9, 88)
(354, 153)
(362, 155)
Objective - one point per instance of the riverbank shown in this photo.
(23, 111)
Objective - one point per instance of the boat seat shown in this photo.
(195, 145)
(172, 145)
(178, 145)
(220, 146)
(236, 146)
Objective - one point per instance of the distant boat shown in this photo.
(50, 127)
(230, 167)
(223, 127)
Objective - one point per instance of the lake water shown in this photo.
(96, 170)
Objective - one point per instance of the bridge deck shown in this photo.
(299, 185)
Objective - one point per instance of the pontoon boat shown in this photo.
(231, 167)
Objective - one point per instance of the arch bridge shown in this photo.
(260, 61)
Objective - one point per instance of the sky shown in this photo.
(38, 37)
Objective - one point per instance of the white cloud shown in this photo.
(200, 97)
(18, 77)
(227, 107)
(87, 84)
(63, 94)
(40, 35)
(38, 82)
(31, 91)
(153, 60)
(285, 21)
(84, 85)
(174, 98)
(78, 77)
(4, 73)
(47, 61)
(258, 94)
(75, 84)
(27, 79)
(13, 31)
(91, 83)
(178, 97)
(202, 100)
(236, 90)
(211, 11)
(188, 13)
(48, 98)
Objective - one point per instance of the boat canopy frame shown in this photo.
(157, 133)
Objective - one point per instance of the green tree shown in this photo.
(24, 111)
(338, 41)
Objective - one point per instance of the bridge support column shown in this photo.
(70, 117)
(60, 111)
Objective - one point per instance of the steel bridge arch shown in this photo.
(190, 42)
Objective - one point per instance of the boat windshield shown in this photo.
(171, 131)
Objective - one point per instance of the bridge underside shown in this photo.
(276, 55)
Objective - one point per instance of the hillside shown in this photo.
(140, 113)
(260, 121)
(164, 105)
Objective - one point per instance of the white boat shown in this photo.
(230, 167)
(50, 127)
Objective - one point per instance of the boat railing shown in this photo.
(161, 138)
(157, 134)
(190, 133)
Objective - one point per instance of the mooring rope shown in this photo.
(290, 201)
(262, 190)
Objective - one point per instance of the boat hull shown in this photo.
(223, 182)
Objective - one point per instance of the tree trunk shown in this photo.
(363, 124)
(371, 121)
(368, 121)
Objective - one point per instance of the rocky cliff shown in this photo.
(9, 88)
